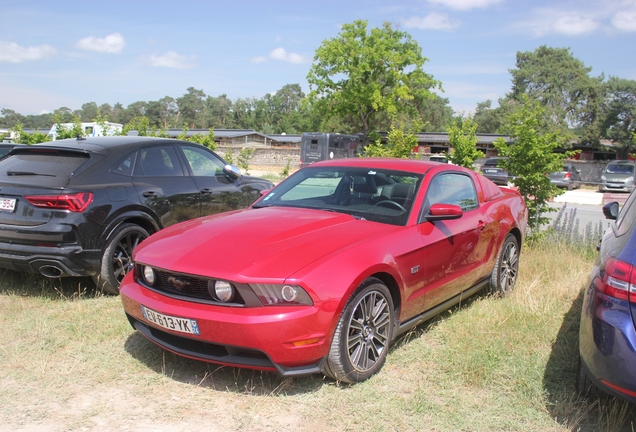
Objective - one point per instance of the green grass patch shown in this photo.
(69, 360)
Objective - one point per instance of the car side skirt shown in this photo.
(427, 315)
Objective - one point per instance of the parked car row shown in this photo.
(343, 256)
(617, 176)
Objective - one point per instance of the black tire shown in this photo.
(583, 385)
(117, 257)
(363, 335)
(504, 275)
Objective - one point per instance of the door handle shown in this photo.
(150, 194)
(481, 225)
(206, 191)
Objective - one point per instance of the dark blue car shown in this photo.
(607, 336)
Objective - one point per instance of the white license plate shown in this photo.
(490, 170)
(183, 325)
(7, 204)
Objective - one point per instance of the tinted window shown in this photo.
(158, 162)
(202, 162)
(126, 166)
(456, 189)
(51, 168)
(372, 194)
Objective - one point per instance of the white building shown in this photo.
(92, 129)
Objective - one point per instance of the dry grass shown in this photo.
(70, 361)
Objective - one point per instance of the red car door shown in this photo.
(453, 251)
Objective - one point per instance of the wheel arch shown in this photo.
(143, 220)
(517, 233)
(390, 282)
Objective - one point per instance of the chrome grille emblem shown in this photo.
(178, 283)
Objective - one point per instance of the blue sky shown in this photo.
(66, 53)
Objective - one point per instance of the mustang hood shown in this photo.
(268, 243)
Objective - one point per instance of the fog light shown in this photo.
(149, 275)
(222, 290)
(289, 293)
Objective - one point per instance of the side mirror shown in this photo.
(610, 210)
(444, 212)
(232, 171)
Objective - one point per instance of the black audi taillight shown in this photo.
(77, 202)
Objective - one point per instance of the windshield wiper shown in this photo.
(28, 173)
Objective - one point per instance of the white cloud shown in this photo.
(574, 25)
(258, 59)
(550, 21)
(13, 53)
(465, 4)
(171, 59)
(434, 21)
(113, 43)
(625, 20)
(282, 55)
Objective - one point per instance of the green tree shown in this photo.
(399, 144)
(619, 114)
(367, 78)
(9, 118)
(64, 129)
(22, 137)
(244, 157)
(89, 111)
(561, 83)
(463, 141)
(63, 115)
(192, 107)
(488, 119)
(141, 124)
(435, 113)
(531, 157)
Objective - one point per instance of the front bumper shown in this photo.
(616, 187)
(290, 340)
(607, 344)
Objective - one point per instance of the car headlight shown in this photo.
(603, 178)
(149, 275)
(281, 295)
(629, 180)
(221, 290)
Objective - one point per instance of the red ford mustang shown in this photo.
(327, 268)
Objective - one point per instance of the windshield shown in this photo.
(620, 169)
(371, 194)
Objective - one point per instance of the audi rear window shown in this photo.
(41, 168)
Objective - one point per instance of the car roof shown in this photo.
(107, 145)
(410, 165)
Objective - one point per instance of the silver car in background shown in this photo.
(569, 178)
(618, 176)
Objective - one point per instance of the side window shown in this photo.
(125, 167)
(627, 216)
(202, 162)
(158, 162)
(452, 188)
